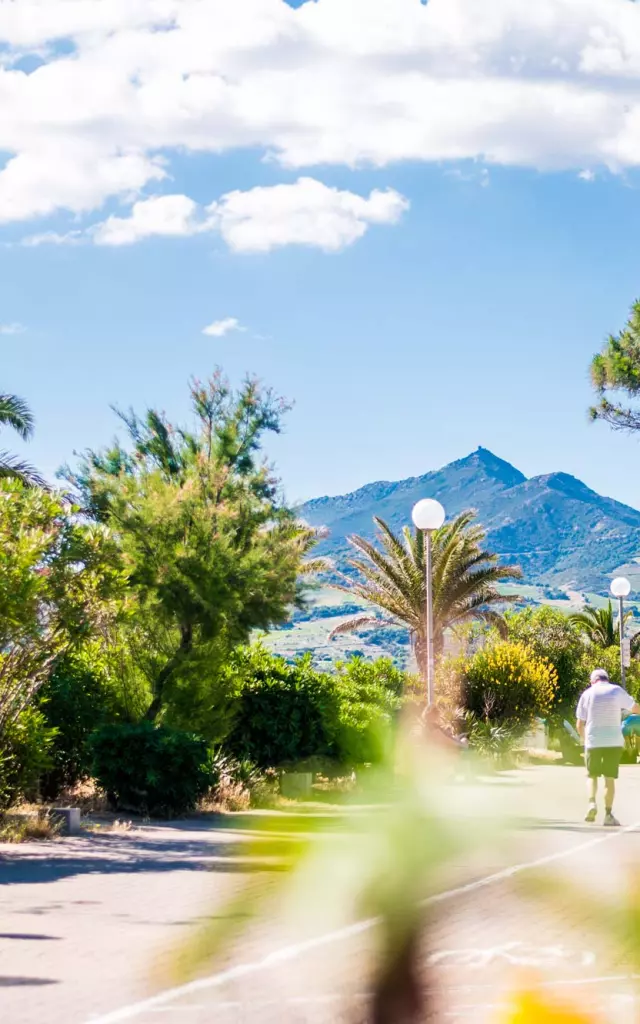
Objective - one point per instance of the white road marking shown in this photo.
(518, 954)
(296, 950)
(605, 979)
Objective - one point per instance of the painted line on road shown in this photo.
(296, 950)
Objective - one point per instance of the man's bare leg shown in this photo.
(592, 793)
(609, 796)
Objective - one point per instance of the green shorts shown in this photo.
(603, 761)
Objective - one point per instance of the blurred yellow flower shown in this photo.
(531, 1007)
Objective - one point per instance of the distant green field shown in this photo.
(313, 634)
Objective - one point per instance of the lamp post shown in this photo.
(621, 588)
(428, 515)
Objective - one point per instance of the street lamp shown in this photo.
(621, 588)
(428, 515)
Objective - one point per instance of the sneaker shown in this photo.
(590, 816)
(610, 820)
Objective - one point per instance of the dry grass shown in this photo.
(26, 826)
(227, 796)
(86, 795)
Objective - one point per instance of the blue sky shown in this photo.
(465, 314)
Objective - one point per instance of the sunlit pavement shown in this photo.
(84, 920)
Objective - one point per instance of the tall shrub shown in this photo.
(284, 712)
(507, 683)
(26, 753)
(551, 634)
(369, 696)
(78, 699)
(151, 769)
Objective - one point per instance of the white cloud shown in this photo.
(550, 84)
(219, 328)
(14, 328)
(54, 238)
(587, 175)
(306, 212)
(160, 215)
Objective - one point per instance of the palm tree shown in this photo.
(599, 626)
(465, 578)
(14, 412)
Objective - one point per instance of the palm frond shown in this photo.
(465, 577)
(13, 468)
(15, 413)
(358, 622)
(313, 566)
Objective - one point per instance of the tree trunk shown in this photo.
(186, 645)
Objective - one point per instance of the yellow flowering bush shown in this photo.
(507, 683)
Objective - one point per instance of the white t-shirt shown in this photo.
(601, 707)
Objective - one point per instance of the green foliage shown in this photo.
(58, 578)
(211, 550)
(465, 578)
(616, 370)
(551, 634)
(599, 625)
(488, 739)
(608, 658)
(507, 683)
(56, 573)
(78, 698)
(15, 413)
(151, 769)
(26, 752)
(290, 712)
(368, 700)
(285, 713)
(199, 695)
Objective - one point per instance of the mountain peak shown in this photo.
(554, 526)
(492, 464)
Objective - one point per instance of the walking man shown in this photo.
(599, 723)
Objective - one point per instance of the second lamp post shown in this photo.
(428, 515)
(621, 588)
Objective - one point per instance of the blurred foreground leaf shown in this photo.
(379, 863)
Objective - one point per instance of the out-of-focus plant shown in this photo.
(381, 866)
(530, 1005)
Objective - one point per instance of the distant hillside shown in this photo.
(556, 528)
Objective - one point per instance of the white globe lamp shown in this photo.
(428, 514)
(620, 587)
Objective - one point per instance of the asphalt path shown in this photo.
(87, 923)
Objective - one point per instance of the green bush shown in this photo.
(550, 634)
(287, 713)
(284, 713)
(151, 769)
(369, 698)
(76, 700)
(507, 683)
(26, 753)
(608, 658)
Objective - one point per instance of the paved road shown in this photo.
(84, 919)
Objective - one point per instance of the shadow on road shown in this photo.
(7, 981)
(137, 852)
